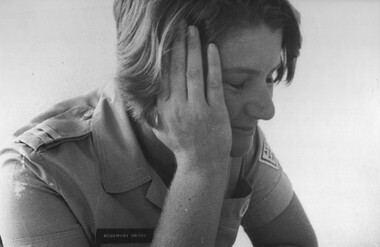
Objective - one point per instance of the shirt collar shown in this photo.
(122, 163)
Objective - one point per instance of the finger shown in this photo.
(177, 70)
(195, 84)
(214, 77)
(165, 84)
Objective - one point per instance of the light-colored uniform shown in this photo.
(76, 176)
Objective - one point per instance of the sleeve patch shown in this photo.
(267, 157)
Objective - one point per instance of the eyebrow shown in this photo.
(246, 70)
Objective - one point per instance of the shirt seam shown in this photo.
(48, 237)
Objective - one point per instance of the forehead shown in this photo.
(253, 47)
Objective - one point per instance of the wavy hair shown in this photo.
(147, 28)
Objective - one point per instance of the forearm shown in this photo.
(191, 213)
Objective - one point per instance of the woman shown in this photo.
(170, 154)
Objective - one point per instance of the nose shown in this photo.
(260, 104)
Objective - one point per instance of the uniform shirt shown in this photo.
(76, 176)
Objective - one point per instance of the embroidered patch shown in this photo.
(267, 157)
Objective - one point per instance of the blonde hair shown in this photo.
(146, 29)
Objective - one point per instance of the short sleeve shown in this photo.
(31, 212)
(271, 189)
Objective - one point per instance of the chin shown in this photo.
(241, 145)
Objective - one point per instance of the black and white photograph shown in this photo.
(226, 123)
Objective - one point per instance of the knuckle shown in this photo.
(194, 74)
(177, 114)
(177, 67)
(214, 83)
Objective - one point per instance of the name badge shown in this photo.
(121, 236)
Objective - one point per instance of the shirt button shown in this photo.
(244, 208)
(88, 114)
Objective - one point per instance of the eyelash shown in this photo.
(239, 86)
(270, 80)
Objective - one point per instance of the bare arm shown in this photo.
(195, 126)
(191, 214)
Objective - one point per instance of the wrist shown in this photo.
(188, 164)
(202, 156)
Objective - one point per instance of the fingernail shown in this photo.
(212, 48)
(191, 31)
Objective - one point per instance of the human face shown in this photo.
(250, 57)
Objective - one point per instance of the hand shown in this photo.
(193, 118)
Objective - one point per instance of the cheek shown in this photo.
(233, 103)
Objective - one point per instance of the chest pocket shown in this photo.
(70, 125)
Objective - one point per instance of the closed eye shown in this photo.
(237, 86)
(270, 80)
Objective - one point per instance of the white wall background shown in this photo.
(326, 132)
